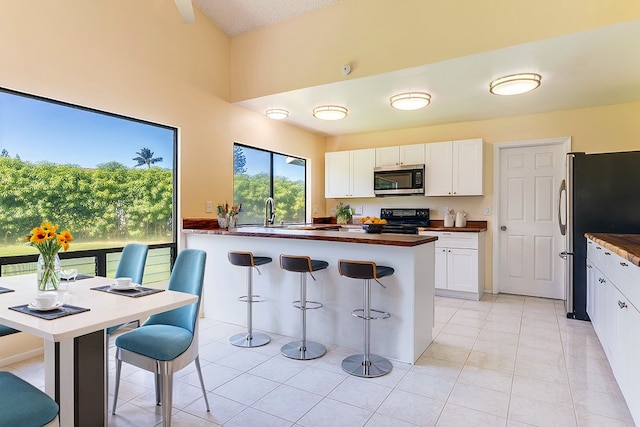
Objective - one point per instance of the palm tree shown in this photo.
(145, 157)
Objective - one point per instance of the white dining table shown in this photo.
(74, 345)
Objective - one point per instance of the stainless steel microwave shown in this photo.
(398, 180)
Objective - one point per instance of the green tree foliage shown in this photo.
(239, 160)
(109, 202)
(252, 190)
(145, 157)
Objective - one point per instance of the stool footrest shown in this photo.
(311, 305)
(360, 314)
(254, 298)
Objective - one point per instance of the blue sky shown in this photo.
(37, 131)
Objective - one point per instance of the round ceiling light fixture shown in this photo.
(330, 112)
(410, 100)
(515, 84)
(277, 113)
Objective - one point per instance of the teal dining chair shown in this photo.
(168, 341)
(131, 264)
(24, 405)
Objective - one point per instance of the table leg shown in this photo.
(78, 379)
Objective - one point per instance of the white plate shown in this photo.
(53, 307)
(129, 287)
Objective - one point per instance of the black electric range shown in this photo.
(404, 221)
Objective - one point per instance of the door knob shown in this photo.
(503, 228)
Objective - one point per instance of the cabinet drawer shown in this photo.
(626, 277)
(460, 240)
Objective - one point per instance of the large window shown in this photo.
(109, 179)
(259, 174)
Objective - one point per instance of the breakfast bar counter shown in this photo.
(409, 293)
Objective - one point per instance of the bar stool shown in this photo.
(246, 259)
(303, 349)
(366, 365)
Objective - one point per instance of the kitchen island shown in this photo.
(408, 295)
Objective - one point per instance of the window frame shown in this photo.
(100, 255)
(271, 174)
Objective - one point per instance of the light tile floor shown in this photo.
(502, 361)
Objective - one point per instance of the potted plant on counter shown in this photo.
(344, 213)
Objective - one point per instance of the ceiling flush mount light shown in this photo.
(515, 84)
(410, 100)
(330, 112)
(277, 113)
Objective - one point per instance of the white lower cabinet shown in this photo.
(612, 305)
(459, 264)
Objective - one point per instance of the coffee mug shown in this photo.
(46, 300)
(123, 282)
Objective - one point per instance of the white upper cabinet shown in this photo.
(454, 168)
(349, 173)
(387, 156)
(438, 169)
(403, 155)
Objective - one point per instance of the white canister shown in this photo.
(449, 219)
(461, 219)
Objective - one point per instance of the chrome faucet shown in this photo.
(269, 211)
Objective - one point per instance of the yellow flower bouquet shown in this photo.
(48, 242)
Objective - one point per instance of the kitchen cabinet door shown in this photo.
(591, 283)
(462, 270)
(337, 174)
(467, 161)
(609, 317)
(362, 164)
(387, 156)
(622, 315)
(441, 268)
(438, 169)
(412, 154)
(599, 306)
(349, 173)
(632, 392)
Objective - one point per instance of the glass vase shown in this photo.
(222, 222)
(48, 272)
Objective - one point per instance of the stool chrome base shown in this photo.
(248, 341)
(376, 367)
(294, 350)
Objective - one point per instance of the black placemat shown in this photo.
(78, 277)
(5, 290)
(133, 293)
(65, 310)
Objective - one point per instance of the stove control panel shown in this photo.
(407, 215)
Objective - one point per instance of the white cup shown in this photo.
(123, 282)
(46, 300)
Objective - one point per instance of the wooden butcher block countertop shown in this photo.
(472, 227)
(626, 246)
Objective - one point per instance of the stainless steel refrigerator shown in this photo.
(600, 194)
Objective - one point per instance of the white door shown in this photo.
(529, 236)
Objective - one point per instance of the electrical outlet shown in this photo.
(359, 210)
(487, 210)
(445, 209)
(315, 209)
(209, 207)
